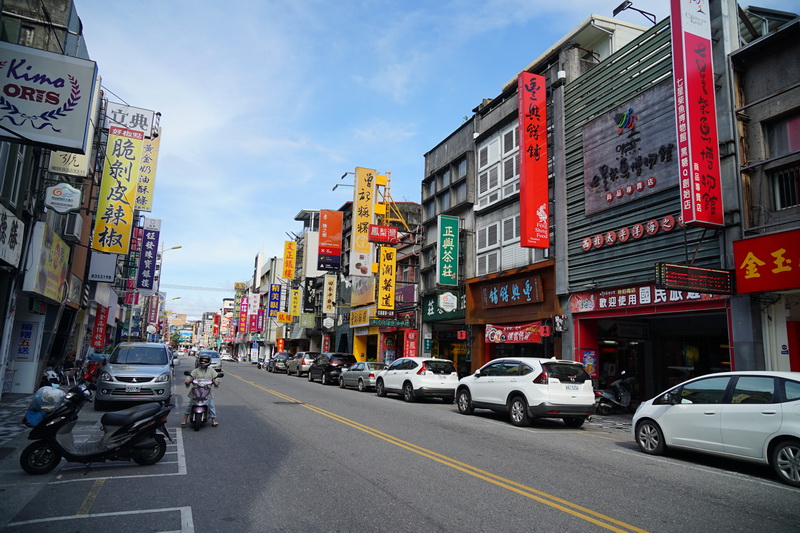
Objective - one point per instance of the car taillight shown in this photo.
(542, 379)
(422, 370)
(372, 374)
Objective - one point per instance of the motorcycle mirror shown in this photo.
(220, 375)
(187, 373)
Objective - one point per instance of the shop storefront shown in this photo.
(660, 337)
(511, 314)
(445, 334)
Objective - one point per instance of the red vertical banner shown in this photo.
(216, 325)
(326, 343)
(533, 185)
(329, 256)
(99, 332)
(410, 343)
(696, 114)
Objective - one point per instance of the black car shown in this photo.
(278, 362)
(328, 365)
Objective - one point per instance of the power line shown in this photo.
(190, 288)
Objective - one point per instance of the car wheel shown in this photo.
(650, 438)
(39, 458)
(408, 392)
(785, 459)
(309, 376)
(361, 386)
(379, 389)
(341, 382)
(518, 411)
(324, 380)
(465, 406)
(574, 421)
(152, 454)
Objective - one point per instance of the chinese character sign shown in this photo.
(149, 254)
(274, 300)
(386, 277)
(410, 343)
(447, 252)
(329, 295)
(147, 173)
(294, 302)
(533, 185)
(99, 331)
(363, 214)
(768, 263)
(112, 230)
(696, 114)
(289, 256)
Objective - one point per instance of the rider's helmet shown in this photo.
(204, 361)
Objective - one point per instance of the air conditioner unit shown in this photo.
(73, 227)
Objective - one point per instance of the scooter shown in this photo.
(201, 396)
(618, 398)
(129, 434)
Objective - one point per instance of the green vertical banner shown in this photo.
(447, 260)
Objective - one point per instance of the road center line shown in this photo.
(550, 500)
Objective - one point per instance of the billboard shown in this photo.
(533, 185)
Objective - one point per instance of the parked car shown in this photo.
(216, 359)
(746, 415)
(527, 388)
(278, 362)
(328, 365)
(418, 377)
(300, 362)
(361, 375)
(135, 371)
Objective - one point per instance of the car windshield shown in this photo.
(440, 367)
(139, 355)
(567, 371)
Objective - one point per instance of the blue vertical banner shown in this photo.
(274, 300)
(148, 256)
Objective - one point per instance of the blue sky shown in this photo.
(265, 104)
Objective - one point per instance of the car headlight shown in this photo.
(104, 376)
(162, 378)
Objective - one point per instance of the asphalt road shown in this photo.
(290, 455)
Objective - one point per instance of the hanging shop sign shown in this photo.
(147, 173)
(363, 214)
(533, 173)
(329, 252)
(513, 292)
(309, 295)
(632, 233)
(361, 317)
(294, 302)
(47, 275)
(149, 253)
(386, 277)
(447, 252)
(72, 164)
(623, 298)
(687, 278)
(410, 337)
(329, 295)
(768, 263)
(62, 198)
(530, 332)
(46, 98)
(389, 323)
(274, 300)
(383, 234)
(11, 231)
(448, 305)
(289, 257)
(629, 152)
(696, 113)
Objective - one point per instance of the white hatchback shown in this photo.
(528, 388)
(419, 377)
(752, 416)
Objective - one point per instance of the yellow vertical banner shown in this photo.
(115, 205)
(329, 291)
(294, 302)
(363, 206)
(289, 256)
(386, 277)
(147, 173)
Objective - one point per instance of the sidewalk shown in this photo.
(13, 407)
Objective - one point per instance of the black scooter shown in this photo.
(129, 434)
(618, 398)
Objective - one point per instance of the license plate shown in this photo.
(573, 387)
(133, 388)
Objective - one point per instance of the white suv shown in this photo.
(527, 388)
(419, 377)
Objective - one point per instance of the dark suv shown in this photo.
(328, 365)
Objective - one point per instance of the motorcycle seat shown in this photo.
(132, 414)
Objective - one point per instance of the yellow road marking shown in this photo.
(555, 502)
(90, 498)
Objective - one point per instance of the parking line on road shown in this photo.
(187, 522)
(550, 500)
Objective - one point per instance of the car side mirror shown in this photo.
(478, 374)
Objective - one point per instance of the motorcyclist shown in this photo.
(203, 371)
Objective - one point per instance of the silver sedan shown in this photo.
(361, 375)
